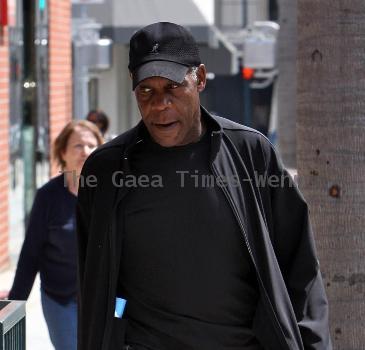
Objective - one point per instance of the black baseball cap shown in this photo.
(162, 49)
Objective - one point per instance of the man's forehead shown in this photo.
(156, 80)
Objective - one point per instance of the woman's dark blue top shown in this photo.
(50, 245)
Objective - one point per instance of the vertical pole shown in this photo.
(246, 76)
(218, 13)
(244, 13)
(247, 116)
(29, 105)
(246, 85)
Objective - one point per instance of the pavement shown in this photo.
(36, 328)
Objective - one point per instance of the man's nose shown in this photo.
(161, 101)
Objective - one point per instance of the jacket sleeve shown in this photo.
(30, 255)
(295, 250)
(82, 227)
(82, 236)
(83, 218)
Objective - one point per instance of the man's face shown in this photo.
(171, 111)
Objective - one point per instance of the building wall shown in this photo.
(4, 149)
(257, 10)
(60, 99)
(231, 13)
(116, 97)
(60, 68)
(109, 92)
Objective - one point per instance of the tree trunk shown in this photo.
(287, 82)
(331, 153)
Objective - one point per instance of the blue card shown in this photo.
(119, 307)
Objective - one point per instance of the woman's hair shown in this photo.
(60, 144)
(99, 118)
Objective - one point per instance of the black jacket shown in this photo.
(292, 311)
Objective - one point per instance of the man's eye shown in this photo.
(145, 90)
(174, 86)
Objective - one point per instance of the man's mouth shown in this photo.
(166, 126)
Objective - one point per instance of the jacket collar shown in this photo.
(139, 133)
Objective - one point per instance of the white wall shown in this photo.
(115, 93)
(206, 7)
(257, 10)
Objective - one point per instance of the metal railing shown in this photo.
(12, 325)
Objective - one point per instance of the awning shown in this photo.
(121, 18)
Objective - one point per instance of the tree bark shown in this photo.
(331, 153)
(287, 81)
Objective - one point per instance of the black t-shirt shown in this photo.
(185, 269)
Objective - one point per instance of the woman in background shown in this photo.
(50, 241)
(100, 119)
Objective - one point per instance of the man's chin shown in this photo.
(167, 143)
(165, 140)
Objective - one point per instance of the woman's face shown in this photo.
(79, 146)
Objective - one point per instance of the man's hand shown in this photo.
(4, 294)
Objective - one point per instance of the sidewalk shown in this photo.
(36, 328)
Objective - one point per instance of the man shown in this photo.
(185, 227)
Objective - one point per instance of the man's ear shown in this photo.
(202, 77)
(131, 81)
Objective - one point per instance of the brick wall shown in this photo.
(60, 68)
(60, 100)
(4, 149)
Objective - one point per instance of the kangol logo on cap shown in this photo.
(155, 48)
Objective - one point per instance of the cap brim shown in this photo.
(165, 69)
